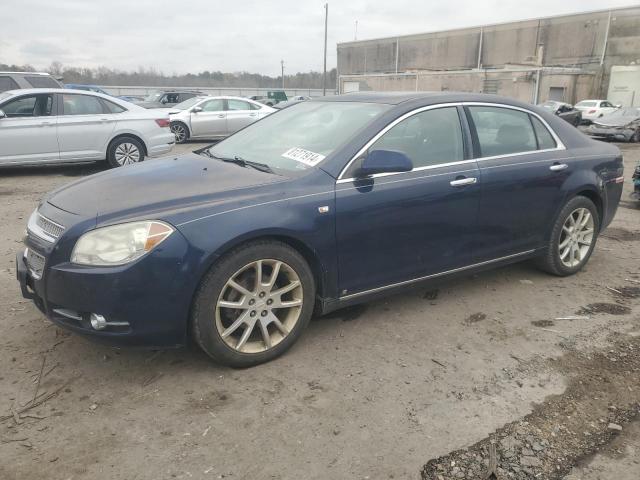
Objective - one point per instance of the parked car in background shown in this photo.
(271, 99)
(323, 205)
(564, 111)
(16, 80)
(39, 126)
(593, 109)
(635, 195)
(167, 98)
(623, 125)
(87, 88)
(132, 98)
(214, 117)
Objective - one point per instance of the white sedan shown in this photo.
(593, 109)
(40, 126)
(214, 117)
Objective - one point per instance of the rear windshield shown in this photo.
(586, 104)
(41, 81)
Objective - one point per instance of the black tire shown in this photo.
(181, 132)
(114, 151)
(635, 138)
(203, 316)
(550, 261)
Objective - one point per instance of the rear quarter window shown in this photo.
(38, 81)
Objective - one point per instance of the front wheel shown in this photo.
(573, 238)
(253, 304)
(180, 131)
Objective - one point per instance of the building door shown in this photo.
(556, 94)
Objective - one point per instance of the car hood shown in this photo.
(159, 186)
(616, 121)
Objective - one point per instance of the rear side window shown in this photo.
(237, 105)
(41, 81)
(81, 105)
(428, 138)
(112, 107)
(545, 139)
(7, 83)
(502, 131)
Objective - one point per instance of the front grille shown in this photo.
(35, 263)
(50, 228)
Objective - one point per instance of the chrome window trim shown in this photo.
(408, 179)
(559, 145)
(433, 275)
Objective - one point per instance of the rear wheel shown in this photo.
(253, 304)
(635, 137)
(180, 131)
(573, 238)
(124, 151)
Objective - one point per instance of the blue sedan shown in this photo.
(322, 205)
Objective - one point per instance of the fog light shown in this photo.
(98, 322)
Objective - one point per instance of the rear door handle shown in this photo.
(558, 167)
(461, 182)
(46, 124)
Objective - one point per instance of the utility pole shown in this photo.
(355, 33)
(324, 73)
(282, 68)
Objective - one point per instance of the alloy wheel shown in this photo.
(127, 153)
(259, 306)
(179, 131)
(576, 237)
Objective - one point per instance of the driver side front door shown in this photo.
(211, 120)
(396, 228)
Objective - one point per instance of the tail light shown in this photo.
(592, 111)
(163, 122)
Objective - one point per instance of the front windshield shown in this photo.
(187, 103)
(301, 136)
(153, 97)
(626, 112)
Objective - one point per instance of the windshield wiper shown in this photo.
(262, 167)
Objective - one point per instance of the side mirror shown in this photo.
(384, 161)
(196, 109)
(2, 114)
(164, 101)
(618, 105)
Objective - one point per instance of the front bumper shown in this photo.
(145, 303)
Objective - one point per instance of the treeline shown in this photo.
(155, 78)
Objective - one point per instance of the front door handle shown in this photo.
(558, 167)
(252, 114)
(46, 124)
(221, 116)
(461, 182)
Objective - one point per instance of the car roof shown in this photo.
(425, 98)
(28, 91)
(27, 73)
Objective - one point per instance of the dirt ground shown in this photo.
(543, 370)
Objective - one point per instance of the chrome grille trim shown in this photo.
(49, 226)
(35, 263)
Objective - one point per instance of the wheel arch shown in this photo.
(187, 126)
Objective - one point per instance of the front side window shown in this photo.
(502, 131)
(216, 105)
(29, 106)
(255, 106)
(428, 138)
(81, 105)
(233, 104)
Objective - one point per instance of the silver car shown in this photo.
(40, 126)
(214, 117)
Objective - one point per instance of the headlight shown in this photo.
(119, 244)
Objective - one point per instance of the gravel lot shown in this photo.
(376, 391)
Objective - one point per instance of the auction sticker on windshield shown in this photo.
(303, 156)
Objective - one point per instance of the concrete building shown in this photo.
(566, 58)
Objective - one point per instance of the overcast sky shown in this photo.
(241, 35)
